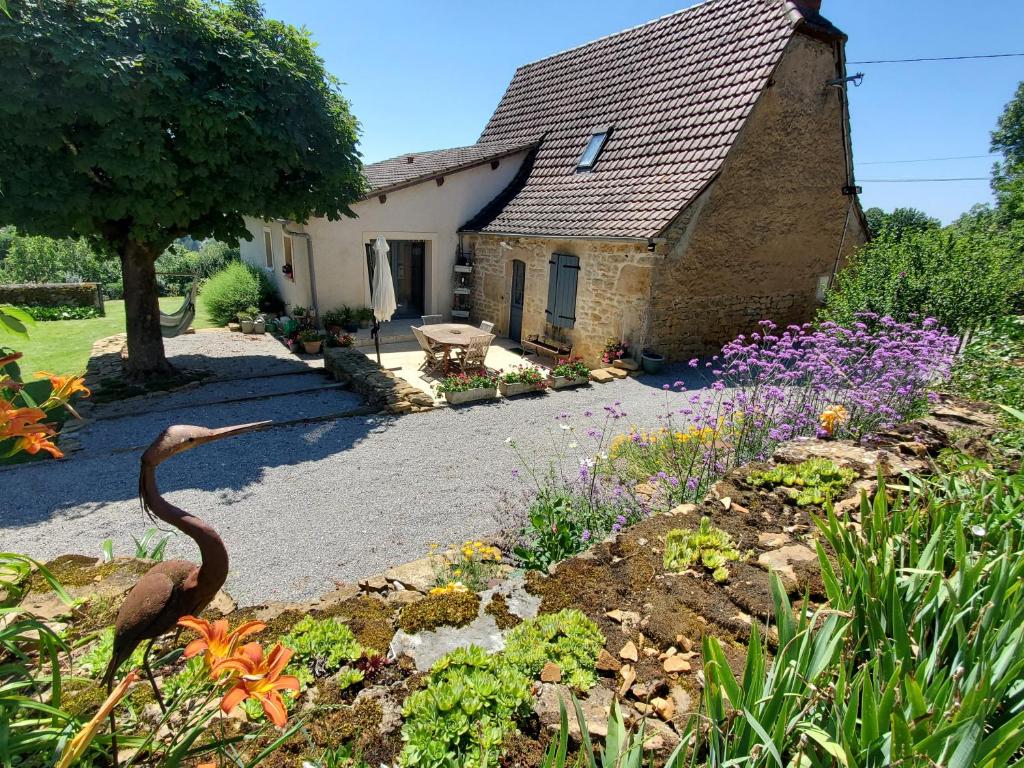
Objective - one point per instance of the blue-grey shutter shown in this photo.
(565, 303)
(552, 287)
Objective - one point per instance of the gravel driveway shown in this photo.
(302, 506)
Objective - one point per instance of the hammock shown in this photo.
(177, 323)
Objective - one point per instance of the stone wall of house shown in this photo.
(53, 295)
(612, 291)
(759, 239)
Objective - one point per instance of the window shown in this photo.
(594, 147)
(288, 269)
(268, 248)
(562, 276)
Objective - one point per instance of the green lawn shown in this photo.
(62, 346)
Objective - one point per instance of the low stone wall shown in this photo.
(53, 295)
(382, 389)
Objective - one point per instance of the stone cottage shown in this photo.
(669, 185)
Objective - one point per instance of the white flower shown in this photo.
(566, 427)
(574, 445)
(603, 456)
(508, 441)
(586, 462)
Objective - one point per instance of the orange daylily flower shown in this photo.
(77, 746)
(260, 678)
(64, 387)
(215, 639)
(34, 442)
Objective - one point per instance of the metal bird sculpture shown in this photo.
(174, 588)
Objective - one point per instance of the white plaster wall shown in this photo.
(296, 291)
(423, 212)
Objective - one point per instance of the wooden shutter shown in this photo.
(563, 272)
(568, 273)
(552, 287)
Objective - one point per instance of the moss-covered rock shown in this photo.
(371, 621)
(453, 609)
(81, 571)
(503, 617)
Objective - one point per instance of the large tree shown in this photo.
(1008, 175)
(135, 122)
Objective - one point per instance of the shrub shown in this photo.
(235, 288)
(50, 260)
(814, 481)
(567, 638)
(922, 272)
(63, 312)
(211, 257)
(464, 713)
(991, 367)
(707, 546)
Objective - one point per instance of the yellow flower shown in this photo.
(454, 587)
(833, 417)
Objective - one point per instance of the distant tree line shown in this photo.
(38, 259)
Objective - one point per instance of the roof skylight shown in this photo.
(594, 147)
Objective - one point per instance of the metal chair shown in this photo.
(486, 326)
(433, 355)
(432, 319)
(475, 353)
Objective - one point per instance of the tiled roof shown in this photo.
(675, 92)
(414, 167)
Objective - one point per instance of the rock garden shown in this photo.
(778, 557)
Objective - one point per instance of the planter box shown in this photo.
(260, 326)
(564, 382)
(471, 395)
(247, 325)
(511, 390)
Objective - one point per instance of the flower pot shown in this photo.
(564, 382)
(471, 395)
(652, 362)
(350, 327)
(259, 326)
(312, 347)
(364, 324)
(511, 390)
(247, 325)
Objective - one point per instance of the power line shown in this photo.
(928, 159)
(939, 58)
(915, 181)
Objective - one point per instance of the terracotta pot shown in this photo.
(511, 390)
(471, 395)
(312, 347)
(564, 382)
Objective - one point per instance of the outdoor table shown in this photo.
(450, 336)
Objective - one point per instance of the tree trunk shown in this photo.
(142, 312)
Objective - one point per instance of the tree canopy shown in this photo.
(134, 122)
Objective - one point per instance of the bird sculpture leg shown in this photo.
(150, 676)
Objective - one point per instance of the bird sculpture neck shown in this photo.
(214, 569)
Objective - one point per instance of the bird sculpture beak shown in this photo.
(238, 429)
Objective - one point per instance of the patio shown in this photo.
(404, 358)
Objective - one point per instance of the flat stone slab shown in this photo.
(602, 375)
(618, 373)
(425, 648)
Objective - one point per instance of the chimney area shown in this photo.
(808, 6)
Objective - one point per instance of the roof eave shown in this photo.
(377, 191)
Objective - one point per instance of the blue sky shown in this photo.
(426, 74)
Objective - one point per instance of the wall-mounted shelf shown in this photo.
(462, 284)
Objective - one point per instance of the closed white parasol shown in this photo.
(382, 289)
